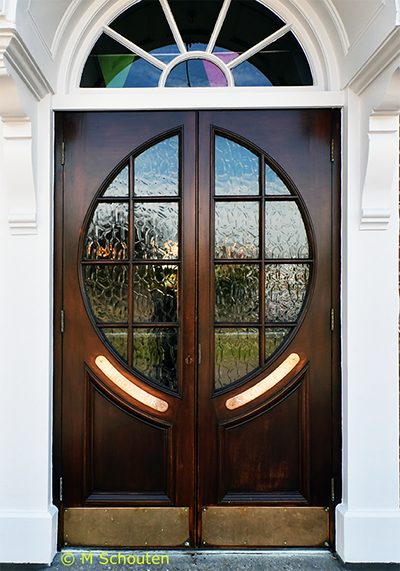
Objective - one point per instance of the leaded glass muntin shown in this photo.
(118, 335)
(275, 188)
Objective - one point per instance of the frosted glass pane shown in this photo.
(107, 237)
(155, 292)
(236, 354)
(236, 229)
(237, 293)
(285, 290)
(156, 231)
(285, 234)
(157, 170)
(107, 291)
(118, 339)
(120, 185)
(236, 169)
(155, 355)
(273, 184)
(274, 337)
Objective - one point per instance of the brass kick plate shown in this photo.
(126, 527)
(265, 526)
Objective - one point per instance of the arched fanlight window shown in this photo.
(193, 43)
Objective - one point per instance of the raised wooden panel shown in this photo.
(265, 457)
(126, 454)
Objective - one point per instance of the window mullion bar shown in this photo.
(262, 266)
(250, 52)
(218, 26)
(131, 256)
(134, 48)
(172, 24)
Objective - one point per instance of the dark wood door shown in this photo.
(194, 297)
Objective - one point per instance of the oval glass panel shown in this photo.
(258, 304)
(130, 288)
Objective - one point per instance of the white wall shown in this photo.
(27, 517)
(368, 520)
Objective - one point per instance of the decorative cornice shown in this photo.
(382, 171)
(15, 53)
(17, 128)
(382, 58)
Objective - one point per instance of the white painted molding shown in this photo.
(382, 170)
(381, 59)
(17, 131)
(340, 27)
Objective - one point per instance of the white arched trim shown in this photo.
(383, 159)
(82, 26)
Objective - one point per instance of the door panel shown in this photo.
(275, 449)
(194, 368)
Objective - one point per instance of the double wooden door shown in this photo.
(195, 347)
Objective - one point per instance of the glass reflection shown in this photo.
(155, 353)
(273, 184)
(118, 339)
(236, 354)
(156, 231)
(237, 293)
(236, 169)
(285, 233)
(274, 337)
(285, 291)
(107, 292)
(107, 237)
(236, 229)
(157, 170)
(119, 187)
(155, 290)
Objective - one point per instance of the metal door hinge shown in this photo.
(62, 321)
(332, 150)
(63, 153)
(199, 357)
(332, 489)
(332, 319)
(61, 489)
